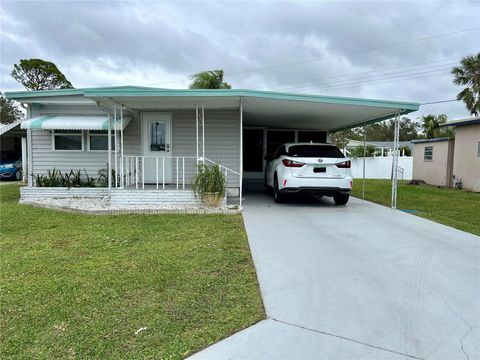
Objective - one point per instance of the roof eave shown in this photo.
(270, 95)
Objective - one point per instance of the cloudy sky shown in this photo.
(399, 50)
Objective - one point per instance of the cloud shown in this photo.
(97, 43)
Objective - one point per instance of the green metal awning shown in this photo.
(70, 122)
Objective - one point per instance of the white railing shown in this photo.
(225, 169)
(161, 171)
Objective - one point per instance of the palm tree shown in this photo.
(468, 74)
(212, 79)
(431, 123)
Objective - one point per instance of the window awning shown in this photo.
(72, 122)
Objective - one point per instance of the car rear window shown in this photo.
(322, 151)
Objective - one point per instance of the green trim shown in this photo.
(105, 124)
(137, 91)
(67, 92)
(372, 121)
(254, 94)
(37, 124)
(40, 93)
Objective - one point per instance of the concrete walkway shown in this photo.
(358, 282)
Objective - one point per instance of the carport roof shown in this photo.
(261, 108)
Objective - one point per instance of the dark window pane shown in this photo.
(277, 138)
(68, 142)
(312, 136)
(99, 143)
(157, 136)
(253, 150)
(323, 151)
(428, 153)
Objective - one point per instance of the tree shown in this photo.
(9, 111)
(37, 74)
(430, 124)
(468, 74)
(384, 131)
(212, 79)
(370, 151)
(341, 138)
(405, 150)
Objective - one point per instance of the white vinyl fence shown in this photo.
(381, 167)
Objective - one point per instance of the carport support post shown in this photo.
(396, 136)
(364, 156)
(29, 158)
(115, 143)
(109, 162)
(122, 180)
(196, 130)
(241, 152)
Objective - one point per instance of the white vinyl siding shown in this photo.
(222, 142)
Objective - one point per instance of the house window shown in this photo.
(98, 140)
(67, 140)
(428, 153)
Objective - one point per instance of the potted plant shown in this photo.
(209, 184)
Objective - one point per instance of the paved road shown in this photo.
(359, 282)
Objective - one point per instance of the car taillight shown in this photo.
(344, 165)
(290, 163)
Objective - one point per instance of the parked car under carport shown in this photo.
(10, 166)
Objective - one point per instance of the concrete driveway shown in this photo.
(358, 282)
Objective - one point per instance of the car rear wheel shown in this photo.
(277, 196)
(266, 188)
(341, 199)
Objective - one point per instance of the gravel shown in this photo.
(103, 204)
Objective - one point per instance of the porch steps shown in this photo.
(151, 197)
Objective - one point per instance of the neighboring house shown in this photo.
(433, 161)
(158, 136)
(466, 157)
(448, 162)
(385, 147)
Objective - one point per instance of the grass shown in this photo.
(452, 207)
(77, 286)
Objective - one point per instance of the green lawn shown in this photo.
(452, 207)
(77, 286)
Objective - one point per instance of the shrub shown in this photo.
(209, 180)
(73, 178)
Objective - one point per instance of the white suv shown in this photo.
(314, 168)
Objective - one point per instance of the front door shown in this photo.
(156, 140)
